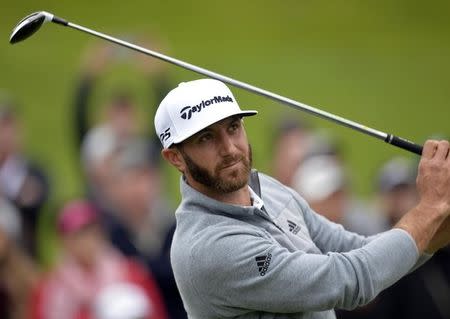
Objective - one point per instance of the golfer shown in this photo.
(247, 246)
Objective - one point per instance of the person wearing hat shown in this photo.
(143, 222)
(323, 181)
(23, 182)
(18, 272)
(246, 246)
(87, 266)
(289, 149)
(396, 188)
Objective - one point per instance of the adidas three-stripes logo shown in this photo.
(293, 227)
(263, 263)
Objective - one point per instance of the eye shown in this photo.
(205, 137)
(235, 125)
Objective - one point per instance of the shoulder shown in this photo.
(272, 185)
(205, 244)
(201, 261)
(269, 180)
(211, 239)
(275, 193)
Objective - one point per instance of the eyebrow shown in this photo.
(208, 129)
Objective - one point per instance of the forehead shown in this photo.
(221, 123)
(218, 125)
(215, 127)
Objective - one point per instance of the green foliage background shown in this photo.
(381, 63)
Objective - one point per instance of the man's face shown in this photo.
(218, 159)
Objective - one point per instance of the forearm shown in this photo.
(441, 238)
(422, 223)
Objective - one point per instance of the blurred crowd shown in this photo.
(112, 259)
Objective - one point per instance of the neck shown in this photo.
(239, 197)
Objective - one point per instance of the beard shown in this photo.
(230, 181)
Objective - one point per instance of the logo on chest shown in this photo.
(293, 227)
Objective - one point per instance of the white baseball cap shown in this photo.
(193, 106)
(318, 177)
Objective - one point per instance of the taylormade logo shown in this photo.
(187, 111)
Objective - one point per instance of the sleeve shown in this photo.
(331, 237)
(254, 272)
(327, 235)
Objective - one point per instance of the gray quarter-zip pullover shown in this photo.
(278, 258)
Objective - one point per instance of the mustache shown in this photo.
(229, 160)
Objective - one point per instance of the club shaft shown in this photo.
(292, 103)
(388, 138)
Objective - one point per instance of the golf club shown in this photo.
(31, 23)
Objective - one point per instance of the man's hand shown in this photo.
(425, 222)
(433, 180)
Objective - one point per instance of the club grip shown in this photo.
(403, 143)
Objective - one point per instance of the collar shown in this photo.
(256, 200)
(193, 199)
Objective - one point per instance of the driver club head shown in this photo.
(29, 25)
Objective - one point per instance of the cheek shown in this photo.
(205, 157)
(242, 142)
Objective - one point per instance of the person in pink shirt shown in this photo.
(89, 265)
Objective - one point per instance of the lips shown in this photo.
(229, 164)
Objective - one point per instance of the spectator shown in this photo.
(289, 149)
(324, 183)
(121, 111)
(97, 153)
(88, 265)
(396, 188)
(143, 224)
(18, 273)
(124, 180)
(99, 142)
(22, 182)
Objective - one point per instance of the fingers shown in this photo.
(429, 149)
(438, 150)
(442, 150)
(433, 178)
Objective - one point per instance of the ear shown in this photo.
(173, 156)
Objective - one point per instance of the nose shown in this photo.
(226, 145)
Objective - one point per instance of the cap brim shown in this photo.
(218, 119)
